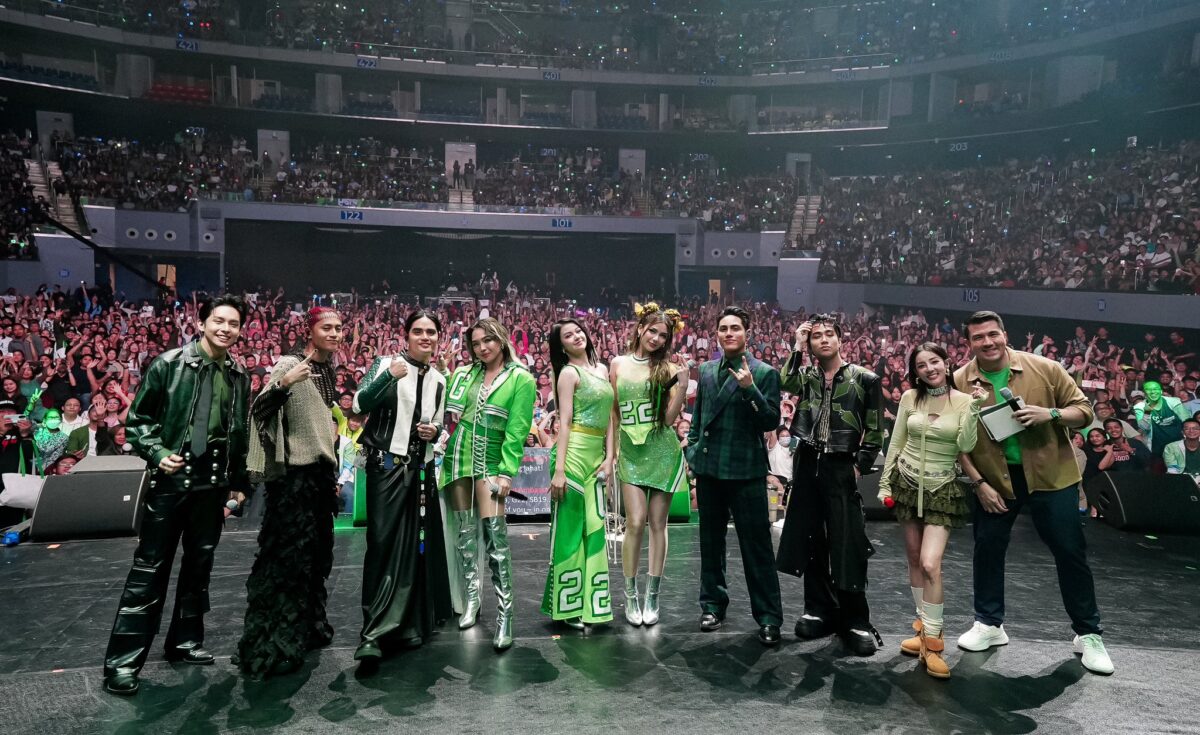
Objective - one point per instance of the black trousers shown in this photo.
(825, 537)
(1056, 518)
(746, 502)
(171, 514)
(406, 587)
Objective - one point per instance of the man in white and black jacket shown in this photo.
(406, 587)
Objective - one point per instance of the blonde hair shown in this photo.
(495, 330)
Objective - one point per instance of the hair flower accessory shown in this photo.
(650, 307)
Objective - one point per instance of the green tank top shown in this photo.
(593, 402)
(633, 399)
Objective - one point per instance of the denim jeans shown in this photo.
(1056, 518)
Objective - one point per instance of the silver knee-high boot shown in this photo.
(495, 535)
(650, 611)
(468, 560)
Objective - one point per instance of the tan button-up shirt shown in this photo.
(1047, 455)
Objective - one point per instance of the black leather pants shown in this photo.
(171, 514)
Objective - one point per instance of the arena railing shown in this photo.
(835, 64)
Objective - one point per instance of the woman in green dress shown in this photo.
(650, 393)
(493, 399)
(577, 591)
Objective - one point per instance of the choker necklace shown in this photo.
(939, 391)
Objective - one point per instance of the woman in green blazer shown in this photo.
(493, 399)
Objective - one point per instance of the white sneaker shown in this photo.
(981, 637)
(1095, 657)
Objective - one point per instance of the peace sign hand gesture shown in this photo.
(744, 377)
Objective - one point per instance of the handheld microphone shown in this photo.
(1015, 402)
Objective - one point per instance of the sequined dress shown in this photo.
(649, 456)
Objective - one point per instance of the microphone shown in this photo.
(1016, 402)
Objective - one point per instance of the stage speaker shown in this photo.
(1128, 500)
(100, 497)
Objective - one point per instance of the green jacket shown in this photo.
(505, 416)
(80, 440)
(856, 409)
(162, 410)
(725, 440)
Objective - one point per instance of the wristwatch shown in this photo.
(1056, 415)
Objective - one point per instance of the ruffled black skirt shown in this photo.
(285, 594)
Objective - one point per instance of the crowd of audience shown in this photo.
(18, 205)
(163, 175)
(71, 361)
(712, 36)
(1123, 222)
(167, 175)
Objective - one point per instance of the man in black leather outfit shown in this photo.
(189, 422)
(839, 428)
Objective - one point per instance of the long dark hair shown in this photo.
(558, 355)
(661, 374)
(918, 384)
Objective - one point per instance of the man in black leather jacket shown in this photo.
(189, 422)
(838, 425)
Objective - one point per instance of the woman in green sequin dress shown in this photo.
(577, 590)
(650, 393)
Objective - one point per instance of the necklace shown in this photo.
(943, 390)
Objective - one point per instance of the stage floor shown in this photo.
(58, 605)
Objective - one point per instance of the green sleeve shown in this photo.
(764, 394)
(790, 378)
(76, 440)
(373, 387)
(520, 419)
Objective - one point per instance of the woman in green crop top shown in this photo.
(577, 589)
(934, 425)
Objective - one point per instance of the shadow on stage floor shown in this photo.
(59, 603)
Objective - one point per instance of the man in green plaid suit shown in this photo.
(736, 402)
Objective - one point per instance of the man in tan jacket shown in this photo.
(1034, 467)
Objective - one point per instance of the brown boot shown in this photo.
(912, 646)
(931, 655)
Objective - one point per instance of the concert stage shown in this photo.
(59, 603)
